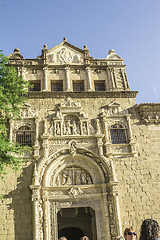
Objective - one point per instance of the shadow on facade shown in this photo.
(21, 205)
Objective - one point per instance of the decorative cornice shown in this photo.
(114, 94)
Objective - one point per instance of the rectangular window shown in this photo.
(35, 86)
(78, 86)
(57, 86)
(99, 85)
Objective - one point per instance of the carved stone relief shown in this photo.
(65, 56)
(112, 216)
(73, 176)
(70, 120)
(113, 109)
(75, 191)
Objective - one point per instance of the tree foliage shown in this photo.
(13, 94)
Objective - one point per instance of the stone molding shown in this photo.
(87, 94)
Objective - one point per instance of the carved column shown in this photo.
(11, 124)
(106, 213)
(106, 131)
(113, 185)
(55, 223)
(131, 142)
(45, 79)
(23, 73)
(100, 145)
(36, 145)
(68, 84)
(35, 200)
(46, 216)
(130, 129)
(45, 145)
(89, 83)
(19, 71)
(45, 127)
(45, 139)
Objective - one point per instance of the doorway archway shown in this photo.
(73, 223)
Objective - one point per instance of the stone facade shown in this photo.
(94, 169)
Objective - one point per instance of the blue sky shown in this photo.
(130, 27)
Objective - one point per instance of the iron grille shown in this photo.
(24, 136)
(118, 134)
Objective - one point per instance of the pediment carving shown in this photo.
(113, 108)
(65, 55)
(27, 112)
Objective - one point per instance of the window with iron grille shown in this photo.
(24, 136)
(35, 86)
(57, 86)
(118, 134)
(99, 86)
(78, 86)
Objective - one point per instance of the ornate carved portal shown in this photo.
(75, 195)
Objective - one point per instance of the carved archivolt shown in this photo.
(56, 170)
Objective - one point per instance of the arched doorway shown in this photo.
(74, 223)
(76, 182)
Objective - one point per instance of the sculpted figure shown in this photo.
(77, 178)
(83, 178)
(64, 179)
(73, 148)
(74, 128)
(68, 128)
(58, 132)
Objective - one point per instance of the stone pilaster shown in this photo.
(124, 79)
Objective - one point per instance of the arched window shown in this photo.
(118, 134)
(24, 136)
